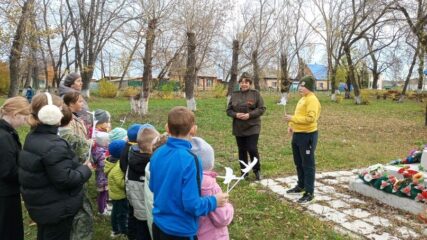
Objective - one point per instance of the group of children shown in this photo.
(159, 184)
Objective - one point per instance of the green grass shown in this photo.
(350, 136)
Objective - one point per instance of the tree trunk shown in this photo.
(234, 68)
(285, 83)
(426, 116)
(27, 81)
(255, 66)
(375, 77)
(351, 75)
(333, 77)
(17, 46)
(301, 66)
(330, 75)
(420, 71)
(190, 73)
(147, 75)
(408, 77)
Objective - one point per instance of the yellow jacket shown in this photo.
(306, 115)
(116, 180)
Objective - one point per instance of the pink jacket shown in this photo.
(214, 225)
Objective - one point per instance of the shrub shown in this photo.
(107, 89)
(338, 98)
(219, 91)
(167, 89)
(364, 97)
(131, 91)
(4, 77)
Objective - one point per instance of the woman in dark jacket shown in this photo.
(50, 174)
(13, 114)
(246, 107)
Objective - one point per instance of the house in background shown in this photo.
(269, 79)
(380, 83)
(206, 80)
(320, 73)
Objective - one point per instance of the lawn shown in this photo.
(350, 136)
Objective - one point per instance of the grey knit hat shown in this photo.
(69, 80)
(102, 116)
(204, 151)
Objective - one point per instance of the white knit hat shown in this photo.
(204, 151)
(102, 138)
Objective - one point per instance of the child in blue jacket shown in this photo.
(176, 176)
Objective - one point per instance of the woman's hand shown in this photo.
(242, 116)
(288, 117)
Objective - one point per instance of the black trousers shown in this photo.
(131, 224)
(158, 234)
(11, 226)
(56, 231)
(142, 231)
(248, 145)
(303, 148)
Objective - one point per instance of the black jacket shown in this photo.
(51, 176)
(9, 151)
(246, 102)
(137, 163)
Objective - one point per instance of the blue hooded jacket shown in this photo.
(177, 203)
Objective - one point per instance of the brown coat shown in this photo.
(246, 102)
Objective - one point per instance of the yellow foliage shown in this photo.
(364, 97)
(107, 89)
(131, 91)
(219, 91)
(4, 77)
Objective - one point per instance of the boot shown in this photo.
(257, 175)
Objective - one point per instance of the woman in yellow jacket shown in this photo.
(303, 127)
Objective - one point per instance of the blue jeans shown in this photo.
(119, 216)
(303, 148)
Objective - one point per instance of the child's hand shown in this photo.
(221, 199)
(89, 164)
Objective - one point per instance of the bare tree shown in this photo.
(417, 25)
(376, 41)
(234, 69)
(93, 25)
(330, 11)
(190, 73)
(153, 12)
(362, 15)
(261, 19)
(17, 46)
(205, 19)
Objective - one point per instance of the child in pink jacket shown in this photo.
(214, 225)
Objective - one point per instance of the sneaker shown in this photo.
(295, 190)
(306, 198)
(257, 176)
(109, 207)
(115, 235)
(106, 213)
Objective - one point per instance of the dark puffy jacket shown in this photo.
(246, 102)
(9, 151)
(137, 163)
(51, 177)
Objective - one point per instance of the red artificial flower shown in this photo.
(384, 184)
(406, 190)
